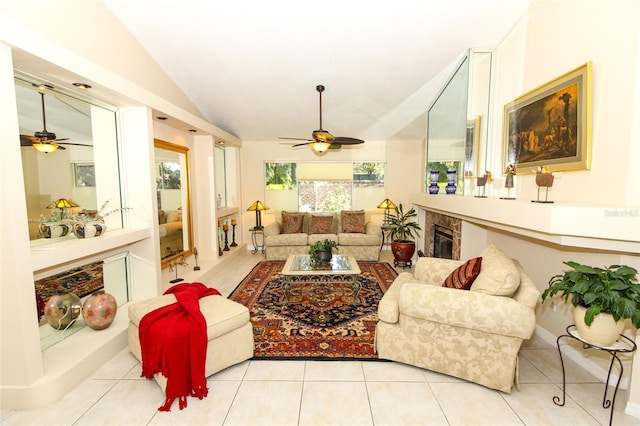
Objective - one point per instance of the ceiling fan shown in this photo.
(45, 141)
(322, 139)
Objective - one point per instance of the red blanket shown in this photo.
(174, 340)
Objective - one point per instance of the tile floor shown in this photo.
(333, 393)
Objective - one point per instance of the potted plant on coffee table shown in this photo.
(321, 251)
(403, 230)
(602, 298)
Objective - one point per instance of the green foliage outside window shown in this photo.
(280, 176)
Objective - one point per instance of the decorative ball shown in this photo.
(61, 310)
(99, 310)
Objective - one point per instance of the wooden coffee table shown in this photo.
(299, 268)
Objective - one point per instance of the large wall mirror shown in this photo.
(79, 166)
(174, 201)
(457, 131)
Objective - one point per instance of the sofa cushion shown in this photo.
(321, 224)
(292, 223)
(358, 239)
(464, 275)
(286, 240)
(499, 275)
(174, 216)
(352, 221)
(314, 238)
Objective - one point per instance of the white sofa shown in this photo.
(471, 334)
(363, 246)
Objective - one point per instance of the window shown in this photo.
(320, 186)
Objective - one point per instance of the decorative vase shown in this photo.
(53, 230)
(90, 229)
(324, 255)
(434, 175)
(99, 310)
(402, 252)
(451, 187)
(603, 331)
(62, 310)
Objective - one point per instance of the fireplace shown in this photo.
(442, 242)
(443, 236)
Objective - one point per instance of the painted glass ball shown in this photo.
(61, 310)
(99, 310)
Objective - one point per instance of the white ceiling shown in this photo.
(251, 67)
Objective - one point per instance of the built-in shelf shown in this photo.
(226, 211)
(615, 228)
(71, 249)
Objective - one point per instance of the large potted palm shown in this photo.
(403, 231)
(603, 298)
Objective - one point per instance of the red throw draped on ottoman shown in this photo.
(174, 340)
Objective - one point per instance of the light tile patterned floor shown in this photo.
(332, 393)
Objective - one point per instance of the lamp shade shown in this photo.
(62, 203)
(45, 147)
(257, 206)
(320, 146)
(387, 204)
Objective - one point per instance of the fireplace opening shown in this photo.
(443, 242)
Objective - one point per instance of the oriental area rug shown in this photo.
(320, 322)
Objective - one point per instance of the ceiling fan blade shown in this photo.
(297, 139)
(335, 146)
(74, 144)
(348, 141)
(303, 144)
(28, 140)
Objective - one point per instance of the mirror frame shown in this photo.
(186, 208)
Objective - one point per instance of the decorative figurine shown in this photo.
(195, 255)
(543, 179)
(174, 265)
(482, 181)
(510, 171)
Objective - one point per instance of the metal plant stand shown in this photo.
(622, 345)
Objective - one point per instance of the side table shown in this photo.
(257, 238)
(622, 345)
(386, 235)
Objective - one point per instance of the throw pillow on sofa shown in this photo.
(321, 224)
(464, 275)
(292, 223)
(352, 221)
(499, 275)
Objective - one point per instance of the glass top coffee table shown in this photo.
(299, 268)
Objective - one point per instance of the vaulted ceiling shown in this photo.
(251, 67)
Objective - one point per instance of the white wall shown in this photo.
(557, 37)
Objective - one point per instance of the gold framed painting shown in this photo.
(551, 125)
(472, 147)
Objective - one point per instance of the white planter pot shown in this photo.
(603, 331)
(53, 229)
(89, 229)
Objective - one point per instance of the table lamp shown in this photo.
(62, 204)
(257, 207)
(386, 204)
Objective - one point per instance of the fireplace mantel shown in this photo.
(614, 228)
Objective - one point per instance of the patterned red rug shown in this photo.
(320, 321)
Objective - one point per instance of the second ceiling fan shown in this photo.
(44, 140)
(322, 139)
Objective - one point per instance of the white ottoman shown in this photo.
(228, 328)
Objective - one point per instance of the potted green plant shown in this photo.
(602, 297)
(403, 230)
(321, 251)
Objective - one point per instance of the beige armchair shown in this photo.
(472, 334)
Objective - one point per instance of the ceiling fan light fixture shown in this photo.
(45, 148)
(320, 146)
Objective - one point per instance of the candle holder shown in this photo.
(233, 235)
(220, 253)
(225, 228)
